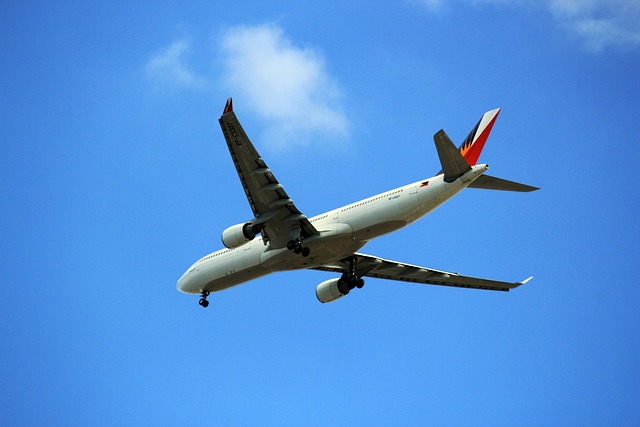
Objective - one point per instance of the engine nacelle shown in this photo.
(330, 290)
(238, 235)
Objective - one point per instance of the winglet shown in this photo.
(525, 281)
(228, 107)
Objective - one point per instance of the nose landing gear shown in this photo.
(203, 301)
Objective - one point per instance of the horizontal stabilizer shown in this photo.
(488, 182)
(453, 163)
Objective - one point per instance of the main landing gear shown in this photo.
(297, 247)
(349, 279)
(203, 301)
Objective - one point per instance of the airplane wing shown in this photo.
(371, 266)
(272, 207)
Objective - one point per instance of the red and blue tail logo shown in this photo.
(474, 143)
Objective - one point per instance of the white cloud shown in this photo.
(600, 24)
(287, 85)
(169, 66)
(596, 24)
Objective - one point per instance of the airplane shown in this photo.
(279, 237)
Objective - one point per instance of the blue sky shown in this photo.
(115, 178)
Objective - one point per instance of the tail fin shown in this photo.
(474, 143)
(455, 162)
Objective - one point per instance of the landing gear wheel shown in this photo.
(349, 279)
(203, 301)
(298, 248)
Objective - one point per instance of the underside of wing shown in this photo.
(275, 213)
(371, 266)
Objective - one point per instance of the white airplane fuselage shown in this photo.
(343, 232)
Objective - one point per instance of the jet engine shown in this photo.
(331, 290)
(239, 234)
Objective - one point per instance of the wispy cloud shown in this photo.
(596, 24)
(431, 5)
(600, 24)
(286, 84)
(169, 66)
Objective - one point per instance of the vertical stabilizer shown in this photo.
(474, 143)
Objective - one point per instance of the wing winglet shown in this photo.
(526, 280)
(228, 108)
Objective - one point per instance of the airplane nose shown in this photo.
(182, 282)
(188, 283)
